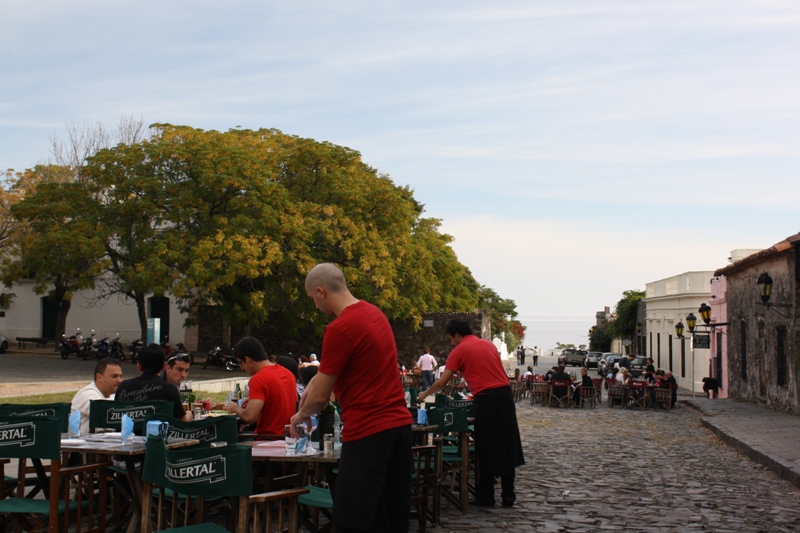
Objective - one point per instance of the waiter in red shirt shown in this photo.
(497, 441)
(359, 364)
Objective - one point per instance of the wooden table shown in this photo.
(111, 444)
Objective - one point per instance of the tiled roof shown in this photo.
(759, 257)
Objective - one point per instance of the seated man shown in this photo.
(149, 386)
(585, 381)
(561, 374)
(177, 369)
(671, 383)
(107, 377)
(550, 373)
(273, 390)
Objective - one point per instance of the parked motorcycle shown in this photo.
(134, 349)
(165, 347)
(70, 344)
(88, 349)
(101, 348)
(180, 348)
(115, 349)
(222, 358)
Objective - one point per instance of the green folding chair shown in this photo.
(217, 429)
(177, 484)
(73, 494)
(107, 414)
(60, 410)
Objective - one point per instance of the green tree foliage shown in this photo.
(599, 339)
(237, 219)
(61, 241)
(502, 316)
(624, 325)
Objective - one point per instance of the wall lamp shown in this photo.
(764, 283)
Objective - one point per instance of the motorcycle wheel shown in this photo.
(84, 355)
(205, 365)
(64, 352)
(230, 366)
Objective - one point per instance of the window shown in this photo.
(658, 345)
(743, 346)
(683, 358)
(670, 353)
(780, 353)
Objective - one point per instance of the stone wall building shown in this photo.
(764, 340)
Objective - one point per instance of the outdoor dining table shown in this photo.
(272, 454)
(129, 453)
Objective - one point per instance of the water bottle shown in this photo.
(408, 398)
(337, 429)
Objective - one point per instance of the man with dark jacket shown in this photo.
(149, 385)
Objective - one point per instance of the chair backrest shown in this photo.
(637, 384)
(107, 414)
(30, 437)
(560, 383)
(212, 429)
(196, 471)
(59, 410)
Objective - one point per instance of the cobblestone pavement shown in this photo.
(609, 469)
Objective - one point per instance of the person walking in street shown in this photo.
(497, 440)
(536, 353)
(359, 364)
(522, 354)
(428, 364)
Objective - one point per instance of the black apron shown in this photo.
(497, 441)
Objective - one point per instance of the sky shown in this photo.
(574, 150)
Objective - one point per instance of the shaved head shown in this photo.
(327, 276)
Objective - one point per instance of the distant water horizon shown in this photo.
(546, 331)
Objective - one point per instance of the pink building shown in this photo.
(718, 360)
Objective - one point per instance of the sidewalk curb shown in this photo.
(783, 468)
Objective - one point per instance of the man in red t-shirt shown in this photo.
(359, 364)
(271, 385)
(497, 442)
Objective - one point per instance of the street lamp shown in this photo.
(764, 283)
(705, 313)
(691, 323)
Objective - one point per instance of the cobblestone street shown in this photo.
(626, 470)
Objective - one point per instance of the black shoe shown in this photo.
(508, 501)
(482, 503)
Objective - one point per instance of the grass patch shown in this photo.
(66, 397)
(53, 397)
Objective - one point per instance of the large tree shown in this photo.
(241, 217)
(624, 324)
(61, 247)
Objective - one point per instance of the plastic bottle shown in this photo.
(337, 429)
(408, 398)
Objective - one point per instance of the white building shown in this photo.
(668, 302)
(33, 315)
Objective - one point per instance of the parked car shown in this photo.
(637, 365)
(607, 362)
(572, 357)
(593, 359)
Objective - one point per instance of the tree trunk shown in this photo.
(141, 307)
(61, 319)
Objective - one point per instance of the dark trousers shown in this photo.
(484, 491)
(373, 490)
(427, 379)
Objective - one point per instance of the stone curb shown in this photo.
(783, 468)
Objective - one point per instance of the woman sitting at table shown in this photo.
(623, 376)
(585, 381)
